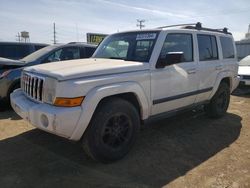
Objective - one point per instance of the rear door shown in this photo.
(209, 64)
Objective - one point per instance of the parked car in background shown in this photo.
(10, 70)
(244, 71)
(18, 50)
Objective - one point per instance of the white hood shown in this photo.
(244, 70)
(63, 70)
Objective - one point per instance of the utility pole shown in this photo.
(54, 33)
(248, 33)
(140, 23)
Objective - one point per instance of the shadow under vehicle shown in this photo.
(166, 150)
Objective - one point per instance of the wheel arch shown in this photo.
(130, 97)
(130, 91)
(226, 77)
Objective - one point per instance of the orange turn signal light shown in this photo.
(68, 102)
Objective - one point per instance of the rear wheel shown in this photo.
(112, 130)
(220, 102)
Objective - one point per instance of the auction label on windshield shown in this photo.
(146, 36)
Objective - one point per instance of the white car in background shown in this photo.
(244, 71)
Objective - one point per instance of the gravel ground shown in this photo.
(189, 150)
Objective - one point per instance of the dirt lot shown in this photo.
(190, 150)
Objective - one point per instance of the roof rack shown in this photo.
(198, 26)
(177, 25)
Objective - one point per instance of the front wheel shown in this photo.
(219, 103)
(112, 130)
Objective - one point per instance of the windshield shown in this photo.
(245, 61)
(133, 46)
(39, 53)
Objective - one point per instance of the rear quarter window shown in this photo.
(227, 47)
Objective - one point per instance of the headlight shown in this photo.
(49, 90)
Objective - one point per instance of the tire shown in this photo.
(112, 130)
(219, 103)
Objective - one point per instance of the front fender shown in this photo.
(93, 98)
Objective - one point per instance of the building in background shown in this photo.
(243, 46)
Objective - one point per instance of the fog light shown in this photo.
(44, 120)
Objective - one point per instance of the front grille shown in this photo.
(32, 85)
(246, 77)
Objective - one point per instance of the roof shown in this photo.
(185, 27)
(82, 44)
(22, 43)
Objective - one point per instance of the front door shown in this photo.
(175, 85)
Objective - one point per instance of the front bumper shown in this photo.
(57, 120)
(244, 82)
(235, 82)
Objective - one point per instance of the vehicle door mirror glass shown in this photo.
(173, 58)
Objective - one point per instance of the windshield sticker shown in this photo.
(146, 36)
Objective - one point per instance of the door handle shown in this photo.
(191, 71)
(219, 67)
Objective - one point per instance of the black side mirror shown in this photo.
(170, 59)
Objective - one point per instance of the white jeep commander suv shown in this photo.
(132, 77)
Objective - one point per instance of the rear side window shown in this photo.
(13, 51)
(178, 42)
(227, 47)
(208, 49)
(89, 51)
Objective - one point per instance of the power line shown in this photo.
(140, 23)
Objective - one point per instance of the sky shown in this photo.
(75, 18)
